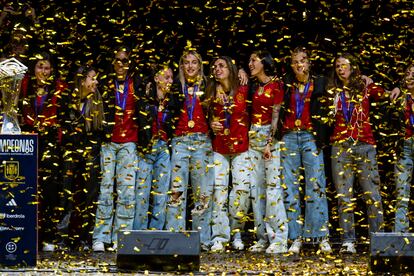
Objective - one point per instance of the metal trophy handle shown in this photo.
(11, 74)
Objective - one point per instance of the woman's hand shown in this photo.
(243, 77)
(267, 153)
(395, 93)
(216, 127)
(367, 80)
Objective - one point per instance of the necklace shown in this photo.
(262, 86)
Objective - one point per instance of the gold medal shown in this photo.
(298, 122)
(191, 124)
(261, 89)
(40, 91)
(121, 88)
(226, 131)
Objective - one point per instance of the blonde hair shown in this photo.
(181, 74)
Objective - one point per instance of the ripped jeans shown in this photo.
(230, 211)
(403, 179)
(352, 161)
(118, 163)
(153, 182)
(300, 155)
(192, 156)
(266, 190)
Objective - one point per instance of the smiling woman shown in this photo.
(230, 124)
(81, 125)
(154, 168)
(264, 152)
(192, 154)
(40, 105)
(115, 211)
(353, 147)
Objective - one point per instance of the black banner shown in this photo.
(18, 201)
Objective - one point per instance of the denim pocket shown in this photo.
(126, 209)
(104, 209)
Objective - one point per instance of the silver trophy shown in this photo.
(11, 74)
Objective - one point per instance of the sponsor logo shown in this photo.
(11, 247)
(11, 170)
(12, 216)
(3, 216)
(11, 228)
(12, 202)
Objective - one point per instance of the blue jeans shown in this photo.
(356, 159)
(192, 155)
(118, 163)
(266, 189)
(299, 152)
(154, 173)
(239, 165)
(403, 176)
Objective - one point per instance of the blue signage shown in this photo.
(18, 200)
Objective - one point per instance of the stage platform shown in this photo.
(229, 262)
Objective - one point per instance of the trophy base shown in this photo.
(10, 125)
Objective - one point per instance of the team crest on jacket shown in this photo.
(240, 98)
(268, 92)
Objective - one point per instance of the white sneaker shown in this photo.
(98, 246)
(324, 246)
(114, 247)
(217, 247)
(348, 248)
(276, 248)
(296, 246)
(260, 246)
(237, 244)
(205, 247)
(48, 247)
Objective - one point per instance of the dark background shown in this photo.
(378, 32)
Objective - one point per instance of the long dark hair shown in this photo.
(151, 89)
(267, 61)
(356, 84)
(233, 79)
(94, 111)
(268, 66)
(43, 56)
(403, 81)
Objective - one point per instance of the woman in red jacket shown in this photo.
(229, 121)
(40, 97)
(353, 147)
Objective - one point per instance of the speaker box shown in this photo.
(392, 252)
(158, 250)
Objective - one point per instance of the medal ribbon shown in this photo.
(347, 109)
(227, 113)
(190, 106)
(122, 102)
(164, 116)
(300, 101)
(410, 102)
(83, 110)
(39, 101)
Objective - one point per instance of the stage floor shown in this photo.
(230, 262)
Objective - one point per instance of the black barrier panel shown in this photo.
(392, 252)
(18, 204)
(158, 250)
